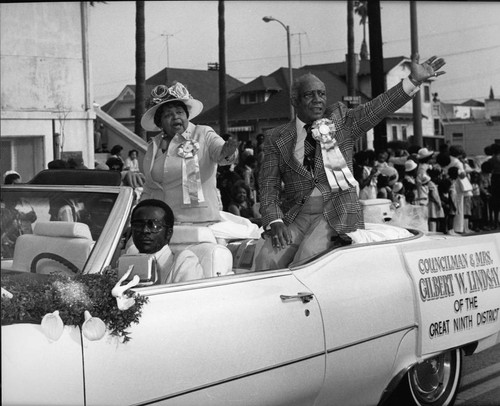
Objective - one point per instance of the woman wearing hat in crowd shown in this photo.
(180, 164)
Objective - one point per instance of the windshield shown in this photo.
(23, 208)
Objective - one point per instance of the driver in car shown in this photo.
(152, 228)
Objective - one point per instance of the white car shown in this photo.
(384, 322)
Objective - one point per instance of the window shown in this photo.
(132, 112)
(437, 126)
(427, 94)
(394, 132)
(22, 154)
(404, 132)
(457, 138)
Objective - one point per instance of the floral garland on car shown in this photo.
(88, 301)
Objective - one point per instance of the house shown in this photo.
(46, 90)
(472, 124)
(264, 102)
(202, 85)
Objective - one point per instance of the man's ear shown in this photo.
(168, 234)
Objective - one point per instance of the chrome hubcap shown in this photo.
(430, 378)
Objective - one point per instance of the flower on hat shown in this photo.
(162, 93)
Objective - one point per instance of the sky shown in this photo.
(184, 34)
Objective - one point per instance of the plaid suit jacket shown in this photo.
(286, 185)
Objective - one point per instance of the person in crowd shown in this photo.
(475, 221)
(495, 184)
(152, 224)
(180, 164)
(242, 204)
(17, 216)
(485, 188)
(247, 173)
(320, 202)
(11, 178)
(453, 176)
(58, 164)
(116, 152)
(422, 178)
(461, 184)
(386, 180)
(368, 181)
(76, 163)
(134, 176)
(435, 208)
(446, 196)
(115, 164)
(226, 178)
(410, 181)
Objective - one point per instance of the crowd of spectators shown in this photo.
(458, 194)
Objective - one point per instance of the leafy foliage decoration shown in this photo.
(34, 297)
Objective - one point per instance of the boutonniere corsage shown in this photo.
(188, 149)
(323, 131)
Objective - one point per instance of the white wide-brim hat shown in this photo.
(161, 95)
(410, 165)
(424, 153)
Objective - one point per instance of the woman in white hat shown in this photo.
(180, 164)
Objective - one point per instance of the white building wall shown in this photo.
(45, 80)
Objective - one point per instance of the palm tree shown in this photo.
(140, 67)
(362, 11)
(222, 71)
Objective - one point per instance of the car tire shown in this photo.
(433, 382)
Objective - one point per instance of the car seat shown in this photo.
(53, 243)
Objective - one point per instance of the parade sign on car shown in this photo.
(457, 290)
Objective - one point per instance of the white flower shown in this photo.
(188, 149)
(323, 130)
(179, 91)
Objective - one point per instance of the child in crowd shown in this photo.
(453, 174)
(475, 222)
(445, 195)
(436, 212)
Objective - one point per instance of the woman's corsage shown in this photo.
(188, 149)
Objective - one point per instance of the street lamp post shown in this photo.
(287, 29)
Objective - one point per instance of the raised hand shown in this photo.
(430, 68)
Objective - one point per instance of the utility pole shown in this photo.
(417, 107)
(300, 44)
(351, 55)
(377, 67)
(223, 115)
(167, 36)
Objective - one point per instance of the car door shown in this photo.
(366, 300)
(226, 340)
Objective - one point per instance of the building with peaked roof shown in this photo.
(202, 84)
(472, 124)
(264, 102)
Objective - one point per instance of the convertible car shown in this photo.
(386, 320)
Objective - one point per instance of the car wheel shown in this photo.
(49, 255)
(433, 382)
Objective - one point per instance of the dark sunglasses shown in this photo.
(153, 225)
